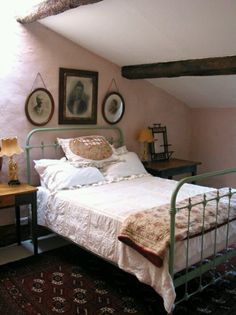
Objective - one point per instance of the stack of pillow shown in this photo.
(88, 160)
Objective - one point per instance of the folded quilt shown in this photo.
(148, 231)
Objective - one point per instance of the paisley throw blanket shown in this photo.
(148, 231)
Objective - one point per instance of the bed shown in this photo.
(108, 215)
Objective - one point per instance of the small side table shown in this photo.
(171, 167)
(16, 196)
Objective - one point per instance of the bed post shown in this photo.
(172, 225)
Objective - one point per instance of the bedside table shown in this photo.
(16, 196)
(171, 167)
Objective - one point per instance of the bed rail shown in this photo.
(217, 258)
(118, 140)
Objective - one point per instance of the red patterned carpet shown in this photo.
(70, 281)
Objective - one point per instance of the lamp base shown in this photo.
(14, 182)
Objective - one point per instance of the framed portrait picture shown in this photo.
(77, 96)
(39, 107)
(113, 107)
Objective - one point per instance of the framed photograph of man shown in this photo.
(77, 96)
(39, 107)
(113, 107)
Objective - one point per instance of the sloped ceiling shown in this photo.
(128, 32)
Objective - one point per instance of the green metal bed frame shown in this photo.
(189, 273)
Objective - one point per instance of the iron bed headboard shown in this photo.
(117, 141)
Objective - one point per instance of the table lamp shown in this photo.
(9, 148)
(145, 137)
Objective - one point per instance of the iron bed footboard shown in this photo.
(204, 265)
(189, 273)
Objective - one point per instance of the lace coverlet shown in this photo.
(148, 231)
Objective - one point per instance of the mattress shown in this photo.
(92, 216)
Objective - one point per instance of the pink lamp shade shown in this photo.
(10, 147)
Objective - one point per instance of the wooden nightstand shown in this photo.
(171, 167)
(16, 196)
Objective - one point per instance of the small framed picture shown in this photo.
(113, 108)
(39, 107)
(77, 96)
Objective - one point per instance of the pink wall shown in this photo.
(213, 141)
(27, 50)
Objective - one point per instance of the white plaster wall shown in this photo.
(27, 50)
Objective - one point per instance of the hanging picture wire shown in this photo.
(113, 81)
(38, 78)
(159, 148)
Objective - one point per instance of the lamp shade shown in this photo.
(145, 135)
(10, 147)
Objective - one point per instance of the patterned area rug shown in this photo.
(71, 281)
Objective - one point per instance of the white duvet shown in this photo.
(92, 217)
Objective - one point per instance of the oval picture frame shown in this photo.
(39, 107)
(113, 108)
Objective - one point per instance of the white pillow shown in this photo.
(120, 150)
(62, 175)
(129, 164)
(44, 163)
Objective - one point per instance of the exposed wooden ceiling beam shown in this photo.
(52, 7)
(192, 67)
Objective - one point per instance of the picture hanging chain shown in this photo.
(113, 81)
(35, 80)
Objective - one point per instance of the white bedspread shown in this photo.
(92, 217)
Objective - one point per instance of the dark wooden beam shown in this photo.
(192, 67)
(52, 7)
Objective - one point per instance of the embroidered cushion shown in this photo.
(91, 147)
(88, 150)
